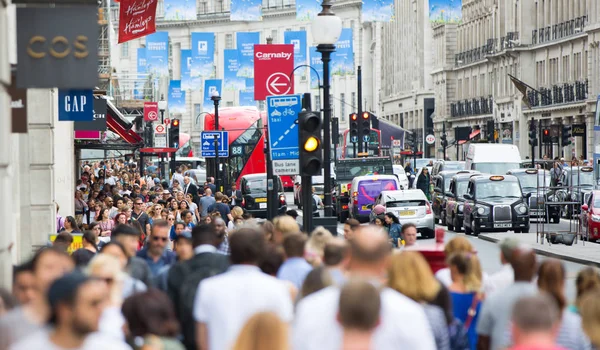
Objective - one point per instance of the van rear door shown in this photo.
(369, 189)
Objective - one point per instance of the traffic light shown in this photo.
(311, 152)
(566, 135)
(354, 128)
(364, 127)
(444, 139)
(174, 134)
(546, 136)
(408, 140)
(490, 131)
(532, 133)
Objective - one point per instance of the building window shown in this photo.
(566, 69)
(353, 96)
(229, 103)
(274, 35)
(343, 106)
(229, 41)
(125, 50)
(577, 66)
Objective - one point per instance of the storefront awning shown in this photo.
(117, 123)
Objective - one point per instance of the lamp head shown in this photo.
(162, 104)
(326, 27)
(214, 95)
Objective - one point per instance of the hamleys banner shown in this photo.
(137, 18)
(150, 111)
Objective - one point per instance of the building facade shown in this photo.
(547, 44)
(213, 16)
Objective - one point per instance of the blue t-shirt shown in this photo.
(167, 258)
(461, 303)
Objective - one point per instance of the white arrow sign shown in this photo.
(278, 84)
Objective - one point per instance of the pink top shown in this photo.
(107, 226)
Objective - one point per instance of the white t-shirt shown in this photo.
(225, 302)
(503, 278)
(94, 341)
(403, 323)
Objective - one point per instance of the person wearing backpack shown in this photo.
(317, 203)
(184, 278)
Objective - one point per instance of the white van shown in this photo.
(492, 158)
(365, 189)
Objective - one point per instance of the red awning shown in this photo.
(119, 125)
(471, 136)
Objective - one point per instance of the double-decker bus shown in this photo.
(597, 144)
(246, 143)
(346, 147)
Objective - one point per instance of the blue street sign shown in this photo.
(76, 105)
(208, 143)
(354, 139)
(366, 138)
(283, 126)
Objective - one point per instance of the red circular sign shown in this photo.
(159, 129)
(167, 121)
(152, 116)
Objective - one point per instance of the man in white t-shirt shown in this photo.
(506, 276)
(403, 321)
(225, 302)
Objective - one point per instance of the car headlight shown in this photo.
(482, 210)
(460, 207)
(595, 218)
(521, 209)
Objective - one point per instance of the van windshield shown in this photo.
(495, 168)
(368, 190)
(256, 187)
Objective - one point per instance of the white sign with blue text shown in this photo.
(283, 114)
(208, 143)
(76, 105)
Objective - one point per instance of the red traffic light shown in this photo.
(353, 116)
(365, 115)
(175, 122)
(546, 132)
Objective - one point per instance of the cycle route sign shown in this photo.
(283, 133)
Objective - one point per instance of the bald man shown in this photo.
(316, 325)
(189, 187)
(494, 317)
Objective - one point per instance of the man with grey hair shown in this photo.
(506, 276)
(535, 323)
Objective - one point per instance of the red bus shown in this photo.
(246, 143)
(346, 149)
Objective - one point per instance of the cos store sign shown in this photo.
(57, 47)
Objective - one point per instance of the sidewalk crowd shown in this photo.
(180, 265)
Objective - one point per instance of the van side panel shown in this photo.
(368, 190)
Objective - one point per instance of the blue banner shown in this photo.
(141, 71)
(247, 98)
(307, 10)
(186, 66)
(231, 65)
(250, 84)
(203, 55)
(317, 64)
(245, 46)
(180, 10)
(342, 60)
(157, 53)
(378, 10)
(298, 39)
(176, 97)
(76, 105)
(246, 10)
(445, 11)
(211, 85)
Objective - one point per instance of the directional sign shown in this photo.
(273, 64)
(150, 111)
(160, 136)
(283, 133)
(160, 129)
(208, 143)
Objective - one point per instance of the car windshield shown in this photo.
(583, 178)
(495, 168)
(498, 189)
(529, 181)
(256, 186)
(405, 203)
(461, 188)
(454, 166)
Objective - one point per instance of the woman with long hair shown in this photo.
(409, 274)
(590, 316)
(71, 225)
(106, 224)
(263, 331)
(423, 182)
(193, 206)
(80, 207)
(121, 219)
(587, 279)
(465, 291)
(458, 244)
(154, 213)
(394, 228)
(315, 246)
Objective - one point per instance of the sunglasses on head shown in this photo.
(156, 238)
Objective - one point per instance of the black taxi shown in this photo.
(495, 203)
(536, 183)
(441, 185)
(454, 199)
(254, 195)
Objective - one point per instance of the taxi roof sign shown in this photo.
(531, 171)
(497, 178)
(587, 169)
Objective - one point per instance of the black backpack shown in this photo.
(315, 207)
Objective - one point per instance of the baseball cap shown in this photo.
(64, 289)
(166, 192)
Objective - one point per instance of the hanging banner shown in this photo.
(150, 111)
(99, 123)
(203, 55)
(342, 60)
(176, 97)
(298, 39)
(180, 10)
(249, 84)
(445, 11)
(246, 10)
(377, 11)
(247, 98)
(307, 10)
(157, 54)
(186, 70)
(136, 19)
(231, 81)
(210, 85)
(76, 105)
(245, 47)
(141, 72)
(317, 64)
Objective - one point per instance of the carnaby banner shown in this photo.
(150, 111)
(137, 18)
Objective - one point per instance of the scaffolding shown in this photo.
(104, 67)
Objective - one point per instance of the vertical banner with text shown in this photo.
(203, 55)
(186, 70)
(157, 54)
(136, 19)
(210, 85)
(342, 61)
(317, 64)
(142, 70)
(176, 97)
(245, 46)
(298, 39)
(231, 81)
(246, 97)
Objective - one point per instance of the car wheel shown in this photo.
(476, 230)
(457, 225)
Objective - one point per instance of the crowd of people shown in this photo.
(183, 281)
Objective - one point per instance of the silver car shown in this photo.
(409, 206)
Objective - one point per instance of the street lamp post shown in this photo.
(216, 98)
(326, 29)
(162, 106)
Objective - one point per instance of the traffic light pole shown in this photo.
(326, 50)
(360, 110)
(306, 189)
